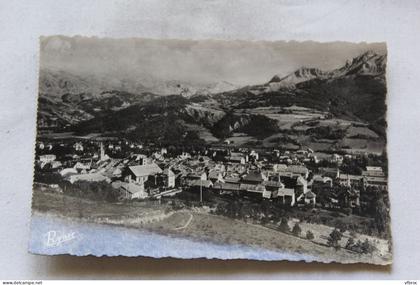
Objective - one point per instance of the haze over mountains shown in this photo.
(61, 82)
(72, 98)
(173, 110)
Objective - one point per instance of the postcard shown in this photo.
(212, 149)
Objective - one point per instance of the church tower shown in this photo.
(102, 154)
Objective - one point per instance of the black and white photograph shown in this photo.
(267, 150)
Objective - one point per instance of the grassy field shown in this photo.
(285, 120)
(198, 224)
(83, 208)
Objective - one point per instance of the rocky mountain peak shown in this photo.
(366, 63)
(275, 78)
(308, 72)
(300, 75)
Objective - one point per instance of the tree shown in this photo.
(309, 235)
(334, 238)
(341, 226)
(357, 247)
(284, 226)
(368, 247)
(381, 216)
(350, 243)
(296, 229)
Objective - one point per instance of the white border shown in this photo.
(22, 22)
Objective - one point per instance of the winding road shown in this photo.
(186, 224)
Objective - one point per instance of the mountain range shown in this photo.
(172, 111)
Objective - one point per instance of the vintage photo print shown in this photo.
(212, 149)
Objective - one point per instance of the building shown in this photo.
(140, 173)
(215, 175)
(78, 146)
(132, 191)
(89, 177)
(292, 170)
(381, 182)
(56, 164)
(318, 180)
(254, 177)
(299, 184)
(336, 158)
(184, 156)
(374, 171)
(227, 187)
(333, 173)
(280, 168)
(375, 176)
(237, 157)
(298, 170)
(253, 190)
(309, 198)
(201, 184)
(255, 156)
(47, 158)
(117, 172)
(68, 171)
(170, 178)
(129, 191)
(79, 166)
(350, 180)
(286, 196)
(232, 179)
(272, 188)
(374, 168)
(199, 175)
(191, 178)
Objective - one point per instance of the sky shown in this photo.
(200, 62)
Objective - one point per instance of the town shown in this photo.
(351, 184)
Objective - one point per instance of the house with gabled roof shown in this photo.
(226, 187)
(350, 180)
(331, 172)
(319, 180)
(298, 183)
(309, 198)
(141, 173)
(286, 196)
(280, 167)
(80, 166)
(237, 157)
(254, 177)
(298, 170)
(272, 188)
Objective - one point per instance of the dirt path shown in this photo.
(186, 224)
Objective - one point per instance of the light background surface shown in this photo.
(21, 24)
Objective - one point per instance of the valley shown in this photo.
(339, 110)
